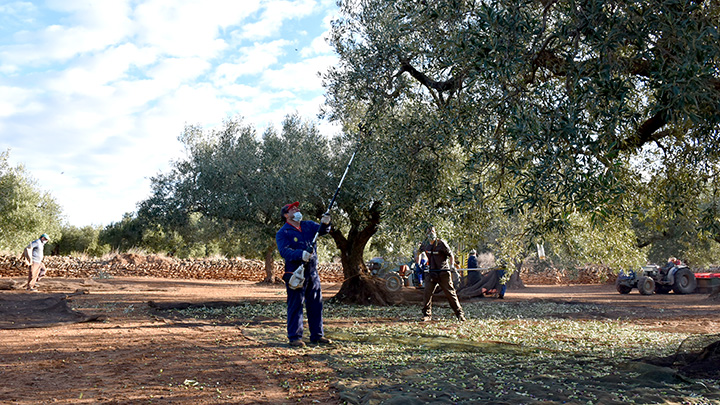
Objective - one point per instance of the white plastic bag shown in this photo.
(298, 278)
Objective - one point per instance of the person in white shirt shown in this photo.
(33, 255)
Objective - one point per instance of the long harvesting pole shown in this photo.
(298, 278)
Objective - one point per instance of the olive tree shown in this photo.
(236, 182)
(677, 209)
(83, 240)
(544, 104)
(26, 212)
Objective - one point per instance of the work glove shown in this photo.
(325, 219)
(306, 256)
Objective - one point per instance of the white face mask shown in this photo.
(297, 217)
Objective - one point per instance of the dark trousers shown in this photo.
(444, 279)
(309, 296)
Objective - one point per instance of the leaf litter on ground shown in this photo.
(515, 353)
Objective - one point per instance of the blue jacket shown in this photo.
(291, 242)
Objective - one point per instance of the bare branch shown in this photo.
(451, 85)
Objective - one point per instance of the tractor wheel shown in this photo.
(646, 285)
(685, 282)
(662, 289)
(622, 288)
(393, 282)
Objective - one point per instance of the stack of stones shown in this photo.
(133, 265)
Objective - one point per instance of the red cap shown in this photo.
(287, 207)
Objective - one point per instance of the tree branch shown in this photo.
(452, 84)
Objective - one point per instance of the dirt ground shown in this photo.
(119, 350)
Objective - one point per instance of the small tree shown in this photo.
(83, 240)
(25, 211)
(124, 234)
(236, 183)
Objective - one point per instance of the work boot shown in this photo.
(322, 341)
(297, 343)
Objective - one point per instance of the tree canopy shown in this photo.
(545, 106)
(236, 183)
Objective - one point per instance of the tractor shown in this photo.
(396, 275)
(653, 279)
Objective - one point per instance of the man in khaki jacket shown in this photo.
(33, 255)
(441, 261)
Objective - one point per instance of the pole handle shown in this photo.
(337, 191)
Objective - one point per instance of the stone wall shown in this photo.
(542, 274)
(133, 265)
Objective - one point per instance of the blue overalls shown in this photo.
(419, 272)
(501, 273)
(291, 242)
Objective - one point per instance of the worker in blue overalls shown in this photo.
(295, 243)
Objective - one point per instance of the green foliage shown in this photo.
(225, 195)
(611, 243)
(123, 235)
(536, 108)
(199, 237)
(25, 211)
(80, 241)
(676, 214)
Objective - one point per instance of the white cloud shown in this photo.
(253, 60)
(16, 7)
(16, 14)
(98, 28)
(192, 104)
(274, 14)
(15, 100)
(318, 46)
(96, 94)
(174, 71)
(299, 76)
(189, 27)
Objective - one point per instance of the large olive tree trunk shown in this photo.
(359, 287)
(515, 282)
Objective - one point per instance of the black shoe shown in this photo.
(297, 343)
(322, 341)
(461, 318)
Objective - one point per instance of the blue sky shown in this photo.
(94, 94)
